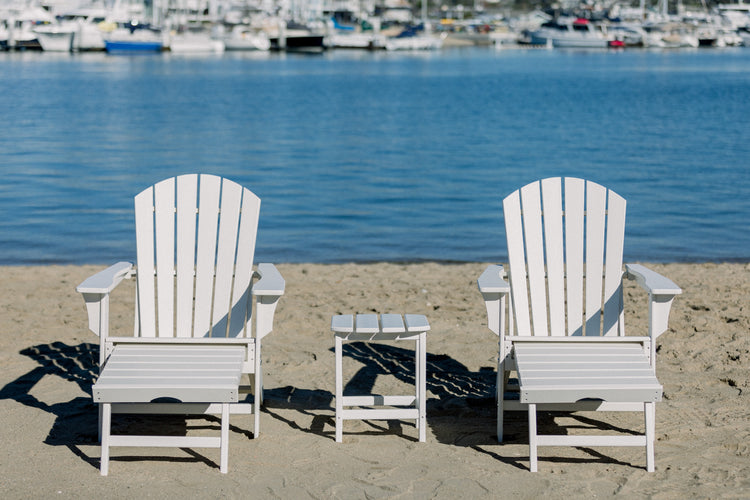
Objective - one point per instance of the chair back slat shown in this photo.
(532, 226)
(195, 249)
(208, 223)
(613, 311)
(145, 289)
(575, 190)
(555, 251)
(245, 257)
(571, 257)
(519, 291)
(164, 230)
(596, 205)
(187, 209)
(231, 197)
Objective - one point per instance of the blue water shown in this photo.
(376, 157)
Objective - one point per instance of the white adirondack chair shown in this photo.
(195, 283)
(566, 336)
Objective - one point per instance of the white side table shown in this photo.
(370, 327)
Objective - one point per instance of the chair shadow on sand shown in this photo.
(461, 407)
(77, 420)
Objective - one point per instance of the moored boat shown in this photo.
(294, 37)
(415, 38)
(55, 38)
(244, 37)
(569, 33)
(194, 41)
(134, 37)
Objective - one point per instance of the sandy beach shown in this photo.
(49, 358)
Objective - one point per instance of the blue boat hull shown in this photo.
(132, 46)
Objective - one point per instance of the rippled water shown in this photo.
(376, 156)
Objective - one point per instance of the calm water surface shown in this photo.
(362, 156)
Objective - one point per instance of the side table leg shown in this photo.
(339, 391)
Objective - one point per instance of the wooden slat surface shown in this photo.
(244, 266)
(164, 220)
(517, 262)
(569, 372)
(189, 374)
(144, 228)
(596, 206)
(553, 233)
(187, 206)
(613, 267)
(231, 197)
(383, 327)
(574, 216)
(533, 234)
(366, 323)
(208, 220)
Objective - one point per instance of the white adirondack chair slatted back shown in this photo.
(565, 243)
(195, 247)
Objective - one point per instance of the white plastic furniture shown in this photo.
(387, 327)
(195, 283)
(565, 336)
(177, 373)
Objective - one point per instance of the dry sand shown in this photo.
(49, 447)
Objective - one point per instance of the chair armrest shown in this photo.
(651, 281)
(96, 290)
(105, 281)
(491, 281)
(494, 289)
(270, 283)
(661, 292)
(267, 290)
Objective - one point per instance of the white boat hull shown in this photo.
(55, 39)
(194, 44)
(422, 42)
(246, 39)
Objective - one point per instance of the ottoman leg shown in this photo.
(224, 448)
(339, 392)
(106, 426)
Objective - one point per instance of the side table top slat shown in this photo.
(369, 327)
(392, 323)
(343, 323)
(416, 323)
(367, 323)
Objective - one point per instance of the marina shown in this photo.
(314, 26)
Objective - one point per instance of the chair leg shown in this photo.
(224, 448)
(649, 410)
(257, 398)
(500, 397)
(106, 426)
(99, 424)
(257, 391)
(532, 438)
